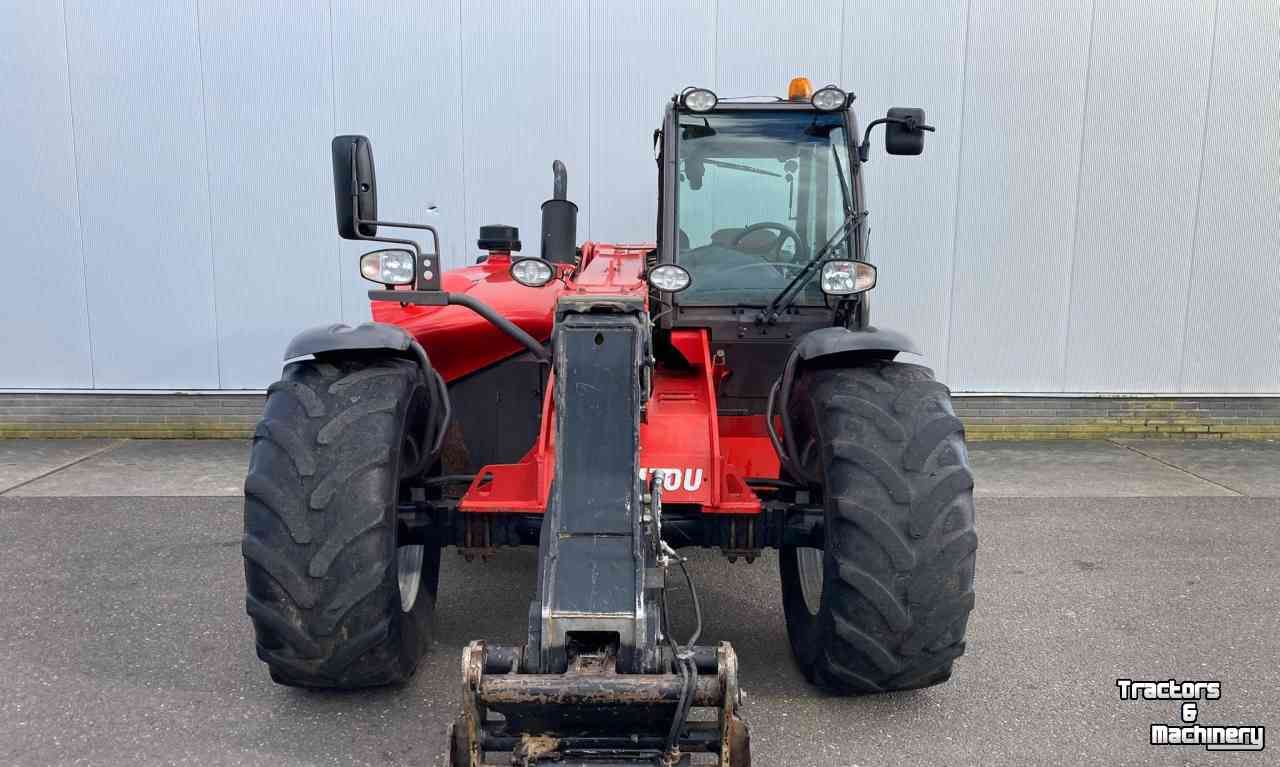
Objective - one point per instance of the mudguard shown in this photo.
(371, 336)
(338, 337)
(823, 342)
(827, 341)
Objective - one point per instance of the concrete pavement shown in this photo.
(123, 638)
(1141, 468)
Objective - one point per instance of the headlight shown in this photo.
(829, 99)
(532, 272)
(670, 278)
(845, 278)
(700, 100)
(389, 267)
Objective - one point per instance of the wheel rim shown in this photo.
(809, 563)
(409, 558)
(409, 570)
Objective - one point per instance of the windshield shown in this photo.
(757, 194)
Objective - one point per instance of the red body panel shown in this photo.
(458, 340)
(706, 458)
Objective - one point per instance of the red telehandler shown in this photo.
(610, 404)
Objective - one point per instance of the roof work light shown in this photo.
(699, 100)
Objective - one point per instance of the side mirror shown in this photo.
(904, 131)
(355, 191)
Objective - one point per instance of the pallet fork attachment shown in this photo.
(613, 702)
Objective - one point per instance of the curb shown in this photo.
(177, 415)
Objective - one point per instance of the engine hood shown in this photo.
(458, 340)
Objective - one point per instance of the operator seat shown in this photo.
(762, 241)
(759, 241)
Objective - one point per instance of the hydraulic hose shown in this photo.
(684, 660)
(439, 298)
(441, 411)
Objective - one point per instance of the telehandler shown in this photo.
(610, 404)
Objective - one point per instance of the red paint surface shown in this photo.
(713, 455)
(458, 340)
(683, 433)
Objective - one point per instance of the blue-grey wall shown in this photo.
(1098, 211)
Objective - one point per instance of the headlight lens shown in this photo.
(700, 100)
(670, 278)
(829, 99)
(845, 278)
(532, 272)
(389, 267)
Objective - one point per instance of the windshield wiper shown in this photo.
(736, 166)
(791, 291)
(844, 185)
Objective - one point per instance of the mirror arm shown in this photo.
(864, 149)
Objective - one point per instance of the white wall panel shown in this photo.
(524, 65)
(1232, 337)
(46, 336)
(911, 54)
(633, 74)
(761, 44)
(397, 80)
(1025, 74)
(1143, 134)
(269, 112)
(144, 195)
(1075, 224)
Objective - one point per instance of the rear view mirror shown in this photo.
(355, 192)
(904, 131)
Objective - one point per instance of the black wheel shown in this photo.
(335, 599)
(884, 606)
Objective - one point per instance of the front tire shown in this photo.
(885, 605)
(336, 600)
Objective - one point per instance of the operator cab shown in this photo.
(760, 202)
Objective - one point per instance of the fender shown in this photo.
(339, 338)
(827, 341)
(823, 342)
(371, 336)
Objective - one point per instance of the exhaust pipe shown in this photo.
(560, 188)
(559, 221)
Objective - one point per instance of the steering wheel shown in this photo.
(784, 233)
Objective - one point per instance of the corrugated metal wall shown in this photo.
(1098, 211)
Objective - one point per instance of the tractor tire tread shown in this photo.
(319, 543)
(265, 492)
(900, 538)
